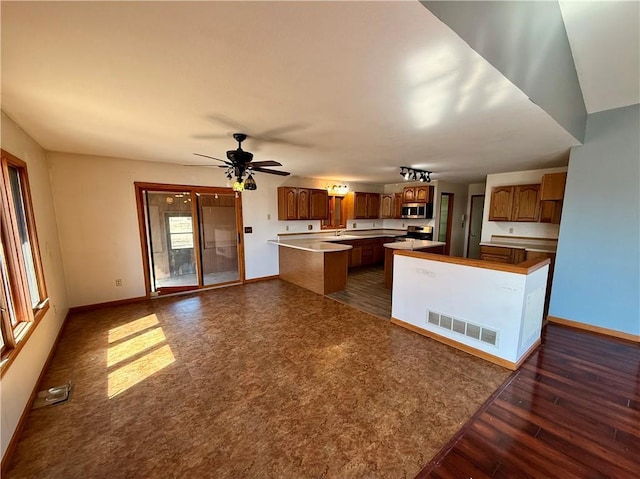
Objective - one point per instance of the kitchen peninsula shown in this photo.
(426, 246)
(491, 310)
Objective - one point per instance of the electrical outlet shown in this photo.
(286, 228)
(510, 230)
(403, 225)
(355, 225)
(268, 216)
(118, 282)
(309, 227)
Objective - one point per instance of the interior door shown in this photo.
(446, 215)
(475, 226)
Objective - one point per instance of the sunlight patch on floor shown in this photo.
(138, 339)
(132, 327)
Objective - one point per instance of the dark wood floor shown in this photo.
(366, 291)
(571, 411)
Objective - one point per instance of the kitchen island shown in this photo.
(435, 247)
(319, 261)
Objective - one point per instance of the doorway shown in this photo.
(475, 226)
(191, 237)
(446, 216)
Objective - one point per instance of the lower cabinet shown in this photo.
(497, 254)
(366, 252)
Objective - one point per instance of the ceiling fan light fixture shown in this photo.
(250, 183)
(238, 185)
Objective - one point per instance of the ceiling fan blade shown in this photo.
(260, 164)
(272, 172)
(212, 157)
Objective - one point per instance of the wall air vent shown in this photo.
(463, 328)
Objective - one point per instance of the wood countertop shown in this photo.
(526, 267)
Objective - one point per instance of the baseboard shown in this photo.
(262, 278)
(119, 302)
(467, 349)
(595, 329)
(13, 442)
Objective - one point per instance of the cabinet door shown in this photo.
(355, 256)
(422, 194)
(373, 205)
(553, 186)
(550, 212)
(360, 205)
(318, 204)
(287, 203)
(386, 206)
(397, 205)
(409, 194)
(501, 203)
(303, 204)
(367, 252)
(526, 203)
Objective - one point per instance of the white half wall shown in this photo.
(20, 378)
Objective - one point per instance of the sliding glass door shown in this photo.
(191, 237)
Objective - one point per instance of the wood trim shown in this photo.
(240, 232)
(119, 302)
(13, 442)
(465, 348)
(594, 329)
(447, 239)
(526, 267)
(261, 278)
(139, 189)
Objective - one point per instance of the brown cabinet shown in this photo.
(498, 254)
(501, 203)
(366, 251)
(302, 203)
(417, 194)
(526, 203)
(552, 188)
(318, 204)
(515, 203)
(397, 205)
(287, 203)
(386, 206)
(363, 205)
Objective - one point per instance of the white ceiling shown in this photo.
(361, 87)
(605, 42)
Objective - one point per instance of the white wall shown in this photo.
(508, 228)
(473, 190)
(20, 378)
(98, 224)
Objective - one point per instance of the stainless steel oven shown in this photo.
(417, 210)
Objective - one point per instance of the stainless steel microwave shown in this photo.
(417, 210)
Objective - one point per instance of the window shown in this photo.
(23, 295)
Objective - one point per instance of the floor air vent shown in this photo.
(464, 328)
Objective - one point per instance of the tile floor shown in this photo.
(266, 380)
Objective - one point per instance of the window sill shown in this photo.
(22, 336)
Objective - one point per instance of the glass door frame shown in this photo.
(195, 191)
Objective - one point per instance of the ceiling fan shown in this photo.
(240, 162)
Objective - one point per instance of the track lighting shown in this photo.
(412, 174)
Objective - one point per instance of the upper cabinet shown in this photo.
(302, 203)
(363, 205)
(418, 194)
(386, 206)
(553, 186)
(515, 203)
(318, 204)
(526, 203)
(501, 203)
(397, 205)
